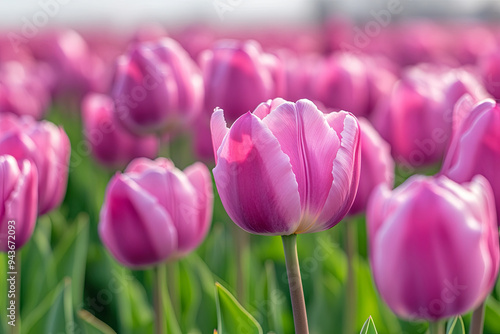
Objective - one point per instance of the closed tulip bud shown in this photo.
(157, 87)
(18, 202)
(238, 76)
(475, 147)
(47, 146)
(377, 165)
(416, 119)
(433, 246)
(341, 82)
(286, 168)
(110, 143)
(154, 212)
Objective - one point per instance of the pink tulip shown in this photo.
(23, 90)
(433, 246)
(286, 168)
(416, 119)
(18, 205)
(238, 76)
(489, 66)
(157, 87)
(47, 146)
(154, 212)
(475, 147)
(112, 145)
(341, 82)
(377, 165)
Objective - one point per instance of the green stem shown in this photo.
(173, 284)
(295, 284)
(436, 327)
(17, 297)
(240, 237)
(350, 248)
(159, 281)
(476, 325)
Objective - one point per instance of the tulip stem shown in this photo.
(17, 295)
(350, 248)
(436, 327)
(242, 242)
(159, 281)
(476, 325)
(295, 284)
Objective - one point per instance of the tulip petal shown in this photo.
(219, 130)
(346, 169)
(255, 180)
(311, 144)
(134, 227)
(199, 176)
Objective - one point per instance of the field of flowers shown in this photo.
(331, 178)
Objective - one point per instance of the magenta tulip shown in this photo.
(157, 87)
(475, 148)
(238, 76)
(286, 168)
(154, 212)
(416, 119)
(489, 66)
(433, 246)
(47, 146)
(110, 143)
(377, 165)
(23, 90)
(341, 82)
(18, 205)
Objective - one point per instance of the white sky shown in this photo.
(120, 13)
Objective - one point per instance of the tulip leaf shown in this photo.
(274, 298)
(455, 326)
(231, 316)
(190, 296)
(36, 257)
(54, 314)
(3, 287)
(70, 256)
(369, 327)
(492, 316)
(93, 325)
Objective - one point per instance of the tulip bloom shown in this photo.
(110, 143)
(377, 165)
(18, 204)
(416, 119)
(157, 87)
(238, 76)
(154, 212)
(475, 147)
(341, 82)
(23, 90)
(433, 246)
(286, 168)
(47, 146)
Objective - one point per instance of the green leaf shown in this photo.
(3, 287)
(274, 298)
(369, 327)
(54, 314)
(455, 326)
(93, 325)
(70, 257)
(492, 316)
(231, 316)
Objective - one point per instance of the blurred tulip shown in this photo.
(18, 201)
(489, 66)
(47, 146)
(78, 69)
(157, 87)
(341, 82)
(433, 246)
(377, 165)
(416, 119)
(112, 145)
(238, 76)
(286, 168)
(23, 90)
(475, 147)
(154, 212)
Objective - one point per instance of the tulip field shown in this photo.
(198, 179)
